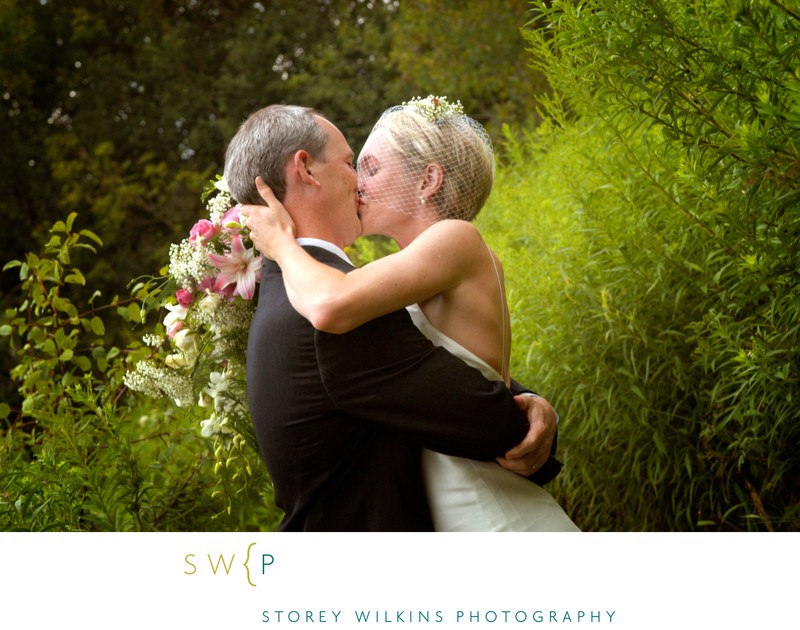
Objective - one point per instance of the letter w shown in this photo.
(221, 559)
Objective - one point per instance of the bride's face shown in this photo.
(389, 191)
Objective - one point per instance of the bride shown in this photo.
(424, 173)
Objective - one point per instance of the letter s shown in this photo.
(194, 568)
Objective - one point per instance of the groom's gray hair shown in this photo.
(263, 146)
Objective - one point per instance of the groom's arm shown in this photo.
(386, 372)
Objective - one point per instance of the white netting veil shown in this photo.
(427, 159)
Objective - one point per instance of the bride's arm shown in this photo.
(437, 260)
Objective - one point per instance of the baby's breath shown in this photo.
(188, 264)
(160, 382)
(218, 206)
(154, 341)
(435, 108)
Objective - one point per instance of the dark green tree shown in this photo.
(474, 52)
(119, 112)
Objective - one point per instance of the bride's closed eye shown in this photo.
(368, 166)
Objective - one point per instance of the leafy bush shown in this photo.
(656, 280)
(83, 454)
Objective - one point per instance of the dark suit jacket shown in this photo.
(341, 419)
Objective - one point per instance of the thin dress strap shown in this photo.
(504, 367)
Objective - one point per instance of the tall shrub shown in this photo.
(669, 337)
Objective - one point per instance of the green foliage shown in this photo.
(649, 230)
(356, 56)
(473, 52)
(664, 252)
(80, 452)
(97, 94)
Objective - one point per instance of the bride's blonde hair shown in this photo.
(432, 131)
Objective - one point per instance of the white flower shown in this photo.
(218, 384)
(158, 381)
(209, 304)
(204, 400)
(188, 342)
(222, 186)
(189, 264)
(218, 207)
(178, 361)
(214, 425)
(435, 108)
(173, 322)
(152, 340)
(208, 427)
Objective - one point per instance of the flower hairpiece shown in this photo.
(435, 108)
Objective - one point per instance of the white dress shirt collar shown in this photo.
(315, 242)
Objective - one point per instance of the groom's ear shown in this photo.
(432, 179)
(301, 167)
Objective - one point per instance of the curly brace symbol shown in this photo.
(246, 562)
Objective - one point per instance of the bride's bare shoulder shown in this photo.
(456, 232)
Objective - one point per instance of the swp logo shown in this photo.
(248, 564)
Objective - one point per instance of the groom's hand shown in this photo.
(532, 453)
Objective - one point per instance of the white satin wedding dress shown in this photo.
(469, 495)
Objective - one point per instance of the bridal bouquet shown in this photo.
(209, 293)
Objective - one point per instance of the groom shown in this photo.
(341, 419)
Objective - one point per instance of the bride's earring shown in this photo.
(423, 200)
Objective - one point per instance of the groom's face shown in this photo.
(338, 184)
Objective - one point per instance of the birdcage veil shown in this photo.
(426, 158)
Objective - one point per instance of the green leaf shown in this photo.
(4, 410)
(75, 277)
(82, 362)
(64, 257)
(59, 303)
(36, 334)
(5, 330)
(27, 405)
(134, 312)
(99, 355)
(91, 235)
(98, 327)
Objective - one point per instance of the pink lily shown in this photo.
(240, 268)
(231, 216)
